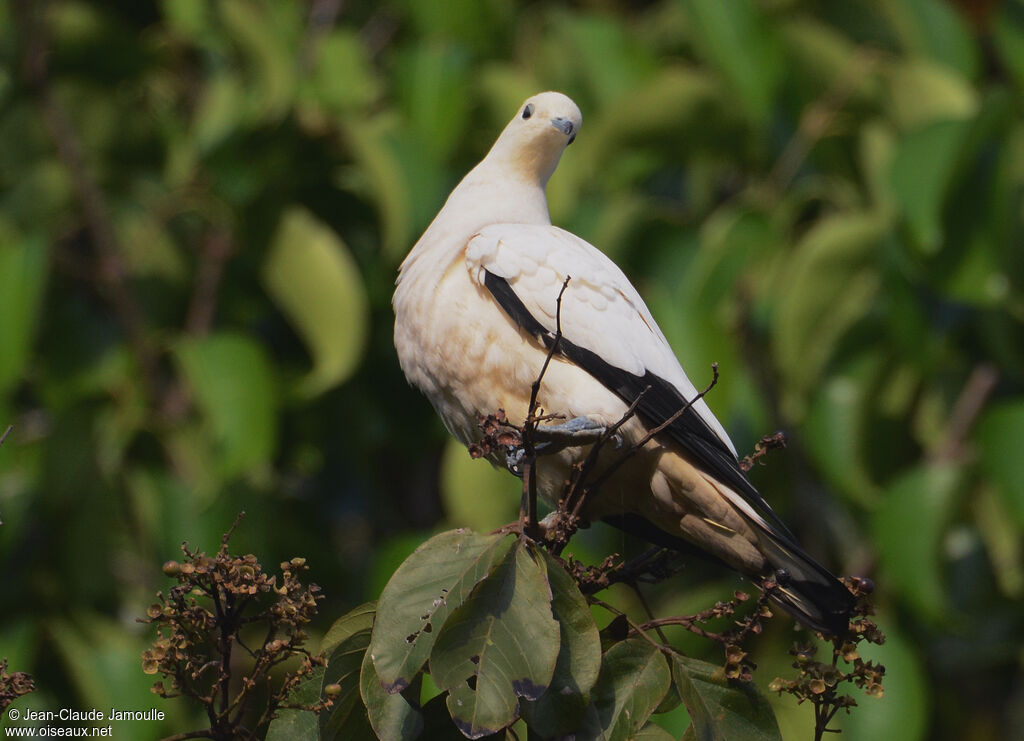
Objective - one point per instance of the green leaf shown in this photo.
(737, 40)
(923, 93)
(344, 647)
(722, 709)
(998, 435)
(23, 267)
(920, 175)
(313, 278)
(103, 664)
(475, 494)
(430, 584)
(653, 732)
(908, 529)
(830, 283)
(905, 705)
(230, 378)
(634, 678)
(835, 431)
(292, 724)
(431, 80)
(501, 644)
(560, 709)
(934, 29)
(392, 717)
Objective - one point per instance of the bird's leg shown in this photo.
(576, 431)
(553, 438)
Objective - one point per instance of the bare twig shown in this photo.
(651, 434)
(6, 433)
(818, 117)
(528, 508)
(966, 409)
(110, 270)
(763, 446)
(217, 249)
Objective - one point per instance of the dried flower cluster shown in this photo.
(820, 682)
(222, 603)
(13, 685)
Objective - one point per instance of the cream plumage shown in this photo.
(475, 313)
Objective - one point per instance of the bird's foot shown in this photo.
(576, 431)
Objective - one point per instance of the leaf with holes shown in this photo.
(430, 584)
(500, 645)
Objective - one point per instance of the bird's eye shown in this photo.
(528, 111)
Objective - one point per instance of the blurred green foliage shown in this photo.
(203, 206)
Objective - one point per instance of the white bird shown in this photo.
(475, 315)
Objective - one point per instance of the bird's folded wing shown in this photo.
(608, 331)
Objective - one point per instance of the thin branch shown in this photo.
(217, 249)
(528, 513)
(6, 433)
(111, 272)
(639, 444)
(966, 409)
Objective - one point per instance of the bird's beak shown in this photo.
(563, 124)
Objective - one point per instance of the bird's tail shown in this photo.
(804, 588)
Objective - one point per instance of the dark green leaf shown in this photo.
(653, 732)
(736, 39)
(560, 709)
(999, 434)
(299, 725)
(392, 717)
(345, 646)
(499, 645)
(23, 268)
(920, 177)
(422, 593)
(634, 678)
(722, 709)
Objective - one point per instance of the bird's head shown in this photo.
(532, 143)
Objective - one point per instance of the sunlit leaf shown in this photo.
(908, 529)
(634, 678)
(560, 709)
(722, 709)
(922, 93)
(475, 494)
(420, 596)
(501, 644)
(231, 380)
(313, 278)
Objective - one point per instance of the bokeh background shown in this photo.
(203, 206)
